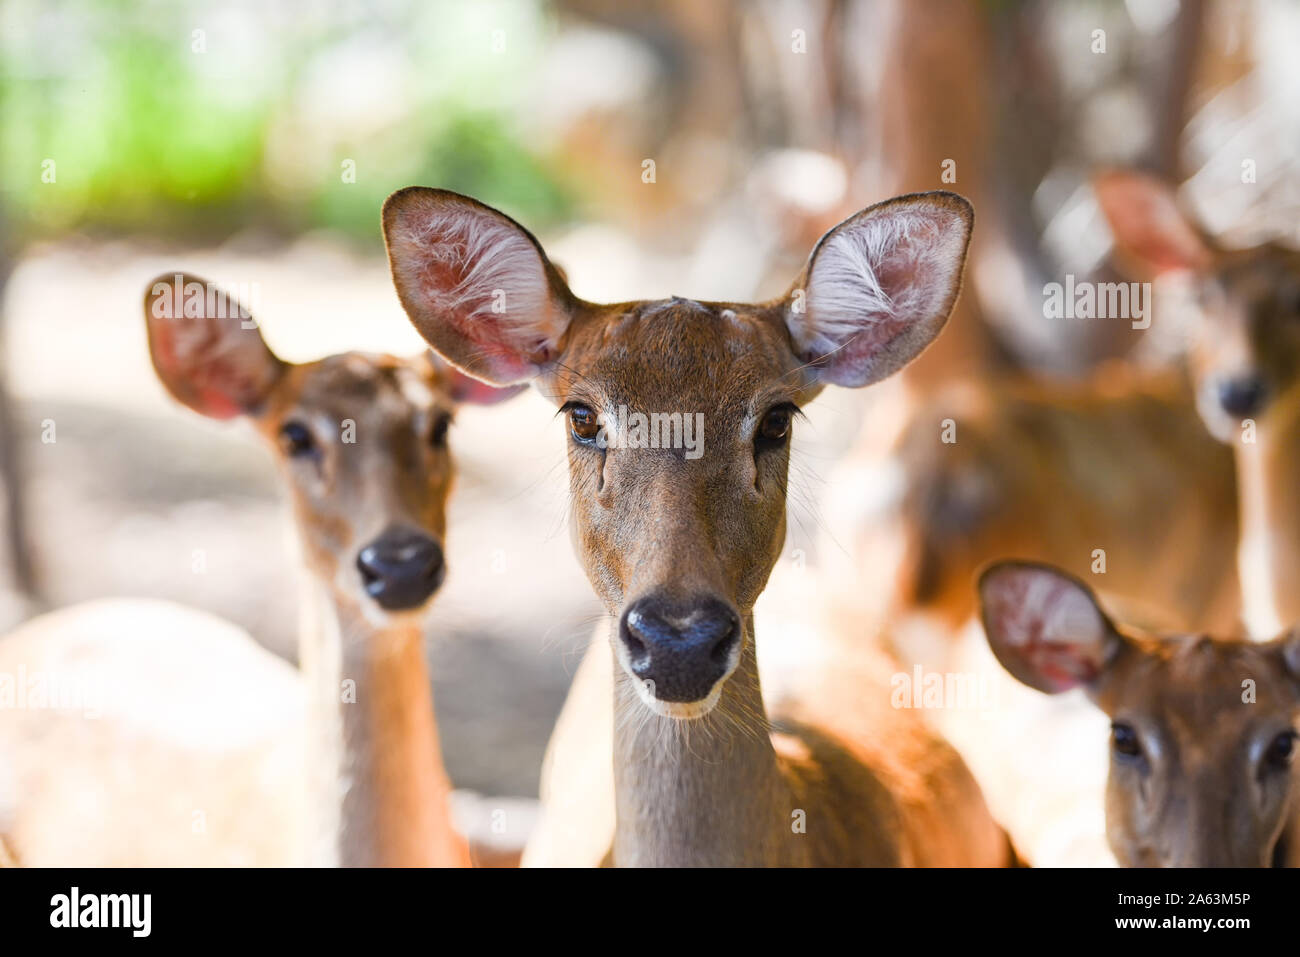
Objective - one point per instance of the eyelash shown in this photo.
(567, 410)
(760, 442)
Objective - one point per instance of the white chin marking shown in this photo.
(680, 710)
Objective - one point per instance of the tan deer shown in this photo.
(197, 756)
(679, 532)
(1245, 360)
(1053, 472)
(1116, 480)
(1203, 729)
(1116, 474)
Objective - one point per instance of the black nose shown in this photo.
(1242, 397)
(683, 648)
(401, 568)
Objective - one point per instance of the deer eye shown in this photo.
(1280, 751)
(583, 423)
(296, 440)
(1125, 740)
(438, 434)
(774, 430)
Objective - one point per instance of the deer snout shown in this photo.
(681, 649)
(1242, 396)
(401, 568)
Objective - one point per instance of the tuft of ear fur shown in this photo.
(879, 287)
(475, 284)
(205, 347)
(1045, 627)
(1152, 234)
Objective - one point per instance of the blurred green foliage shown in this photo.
(198, 119)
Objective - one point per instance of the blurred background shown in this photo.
(658, 148)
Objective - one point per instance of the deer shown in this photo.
(1154, 486)
(339, 764)
(678, 539)
(1156, 467)
(1203, 729)
(1245, 360)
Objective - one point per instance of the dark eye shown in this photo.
(1281, 750)
(774, 430)
(1125, 740)
(296, 440)
(438, 434)
(583, 424)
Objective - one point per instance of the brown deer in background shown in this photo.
(198, 754)
(1121, 463)
(1126, 468)
(1203, 729)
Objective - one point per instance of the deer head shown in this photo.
(361, 440)
(1203, 729)
(1245, 334)
(679, 413)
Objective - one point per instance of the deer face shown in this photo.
(1245, 333)
(1203, 730)
(679, 540)
(361, 441)
(678, 413)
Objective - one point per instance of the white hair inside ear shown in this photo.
(476, 266)
(880, 286)
(474, 283)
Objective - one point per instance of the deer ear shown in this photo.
(465, 389)
(1045, 627)
(879, 287)
(1288, 646)
(206, 349)
(1152, 234)
(475, 284)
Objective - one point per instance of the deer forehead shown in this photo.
(364, 388)
(1203, 691)
(679, 355)
(1254, 274)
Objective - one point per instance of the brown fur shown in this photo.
(1122, 463)
(1204, 711)
(395, 809)
(1244, 326)
(376, 791)
(1052, 472)
(721, 788)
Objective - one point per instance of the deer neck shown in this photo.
(1268, 477)
(701, 793)
(377, 784)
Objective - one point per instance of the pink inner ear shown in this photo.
(447, 279)
(1145, 221)
(467, 389)
(1061, 666)
(476, 286)
(190, 358)
(879, 290)
(1048, 623)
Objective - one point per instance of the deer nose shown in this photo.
(1242, 397)
(401, 568)
(684, 649)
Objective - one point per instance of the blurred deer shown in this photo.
(1203, 729)
(679, 546)
(1119, 468)
(1119, 480)
(1245, 361)
(198, 755)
